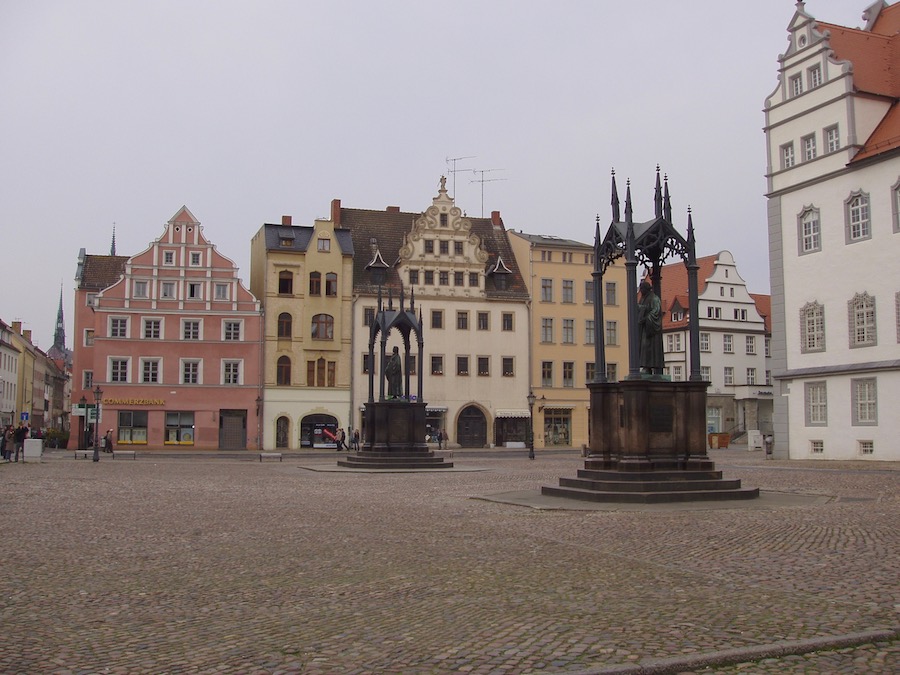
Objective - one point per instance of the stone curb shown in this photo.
(731, 657)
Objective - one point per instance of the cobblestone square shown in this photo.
(229, 565)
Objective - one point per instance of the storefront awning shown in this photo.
(559, 407)
(513, 413)
(435, 408)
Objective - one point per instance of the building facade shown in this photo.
(558, 275)
(734, 343)
(832, 129)
(172, 339)
(303, 276)
(465, 281)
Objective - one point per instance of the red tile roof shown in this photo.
(102, 271)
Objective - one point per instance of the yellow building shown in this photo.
(558, 274)
(304, 278)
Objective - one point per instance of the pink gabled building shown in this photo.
(173, 339)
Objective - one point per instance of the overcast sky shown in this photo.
(120, 112)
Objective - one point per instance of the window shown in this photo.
(437, 318)
(190, 329)
(167, 290)
(443, 247)
(283, 371)
(546, 373)
(678, 315)
(861, 310)
(589, 292)
(506, 321)
(814, 77)
(832, 139)
(285, 325)
(612, 332)
(323, 245)
(413, 277)
(437, 365)
(568, 290)
(610, 293)
(768, 378)
(285, 283)
(462, 321)
(152, 329)
(857, 214)
(546, 330)
(195, 259)
(331, 285)
(459, 279)
(443, 220)
(321, 373)
(816, 447)
(816, 404)
(443, 278)
(286, 242)
(768, 347)
(728, 343)
(809, 147)
(809, 231)
(706, 373)
(315, 283)
(677, 373)
(462, 365)
(787, 155)
(87, 379)
(568, 374)
(740, 314)
(368, 316)
(429, 277)
(457, 248)
(221, 291)
(231, 331)
(168, 257)
(322, 327)
(751, 344)
(568, 331)
(150, 371)
(180, 428)
(812, 328)
(132, 426)
(546, 256)
(365, 362)
(589, 336)
(195, 290)
(140, 289)
(546, 290)
(673, 342)
(612, 372)
(508, 366)
(484, 366)
(865, 401)
(729, 375)
(866, 447)
(118, 327)
(90, 300)
(751, 376)
(429, 246)
(484, 321)
(118, 370)
(190, 371)
(704, 342)
(796, 85)
(713, 312)
(590, 371)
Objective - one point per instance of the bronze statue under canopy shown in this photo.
(650, 327)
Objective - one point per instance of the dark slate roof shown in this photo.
(101, 271)
(389, 229)
(550, 240)
(302, 235)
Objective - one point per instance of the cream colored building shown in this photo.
(304, 278)
(558, 275)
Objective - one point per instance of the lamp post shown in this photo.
(82, 428)
(531, 399)
(98, 394)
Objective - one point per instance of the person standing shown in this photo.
(356, 440)
(108, 441)
(446, 440)
(20, 436)
(5, 441)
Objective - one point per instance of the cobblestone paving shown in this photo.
(168, 565)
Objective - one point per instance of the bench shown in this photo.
(269, 455)
(125, 453)
(87, 453)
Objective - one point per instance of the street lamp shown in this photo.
(531, 399)
(98, 394)
(82, 429)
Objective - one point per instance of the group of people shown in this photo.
(340, 437)
(14, 437)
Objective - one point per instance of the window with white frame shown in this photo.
(610, 298)
(768, 343)
(809, 147)
(568, 374)
(796, 85)
(231, 331)
(751, 376)
(568, 290)
(750, 341)
(816, 403)
(677, 373)
(729, 375)
(87, 379)
(673, 342)
(152, 329)
(231, 372)
(809, 231)
(859, 226)
(704, 342)
(90, 299)
(483, 321)
(612, 332)
(168, 258)
(150, 371)
(195, 258)
(713, 312)
(221, 291)
(589, 331)
(507, 323)
(612, 372)
(190, 371)
(832, 139)
(167, 290)
(140, 289)
(546, 373)
(88, 337)
(568, 331)
(814, 76)
(546, 290)
(865, 401)
(118, 369)
(706, 373)
(118, 327)
(195, 290)
(816, 447)
(728, 343)
(866, 447)
(787, 155)
(861, 316)
(812, 328)
(546, 330)
(589, 292)
(190, 329)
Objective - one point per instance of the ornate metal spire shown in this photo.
(615, 199)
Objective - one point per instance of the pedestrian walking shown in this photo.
(446, 440)
(108, 441)
(356, 440)
(20, 436)
(440, 439)
(6, 442)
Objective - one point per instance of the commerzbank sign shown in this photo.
(134, 401)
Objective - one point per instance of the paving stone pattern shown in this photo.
(198, 565)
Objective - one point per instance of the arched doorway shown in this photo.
(317, 431)
(282, 432)
(471, 428)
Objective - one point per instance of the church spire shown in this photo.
(112, 246)
(59, 337)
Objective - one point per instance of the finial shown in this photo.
(112, 248)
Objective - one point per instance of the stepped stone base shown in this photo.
(395, 459)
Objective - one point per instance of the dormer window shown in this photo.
(168, 257)
(796, 85)
(677, 316)
(323, 245)
(195, 258)
(443, 220)
(815, 77)
(286, 242)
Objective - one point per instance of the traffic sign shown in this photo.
(24, 416)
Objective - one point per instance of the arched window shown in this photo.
(323, 327)
(861, 317)
(282, 432)
(283, 372)
(812, 328)
(331, 284)
(315, 283)
(285, 283)
(285, 325)
(809, 231)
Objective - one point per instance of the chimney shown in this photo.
(496, 220)
(336, 212)
(286, 221)
(393, 209)
(17, 327)
(27, 334)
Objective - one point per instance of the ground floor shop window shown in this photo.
(434, 422)
(318, 431)
(132, 427)
(511, 430)
(557, 427)
(180, 428)
(713, 420)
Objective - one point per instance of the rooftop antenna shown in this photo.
(484, 180)
(451, 161)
